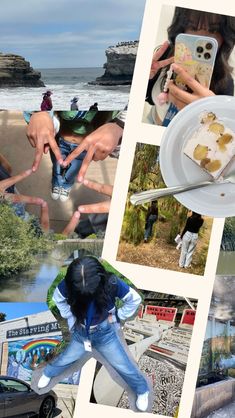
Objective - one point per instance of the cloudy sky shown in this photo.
(67, 33)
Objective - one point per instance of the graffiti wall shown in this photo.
(26, 355)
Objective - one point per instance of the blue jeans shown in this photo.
(105, 339)
(189, 243)
(67, 180)
(149, 226)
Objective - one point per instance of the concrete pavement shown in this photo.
(67, 395)
(16, 148)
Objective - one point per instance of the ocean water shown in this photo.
(65, 83)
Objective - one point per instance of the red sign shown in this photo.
(188, 317)
(161, 312)
(141, 311)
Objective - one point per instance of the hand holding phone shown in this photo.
(196, 54)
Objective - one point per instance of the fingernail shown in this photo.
(33, 169)
(81, 208)
(44, 204)
(80, 179)
(85, 182)
(64, 164)
(29, 171)
(77, 214)
(61, 162)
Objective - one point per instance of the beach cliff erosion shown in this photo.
(15, 71)
(120, 64)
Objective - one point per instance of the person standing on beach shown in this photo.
(74, 104)
(46, 101)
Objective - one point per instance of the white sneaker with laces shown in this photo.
(43, 381)
(55, 193)
(142, 401)
(64, 194)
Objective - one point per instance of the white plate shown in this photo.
(217, 200)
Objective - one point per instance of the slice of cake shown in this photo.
(212, 146)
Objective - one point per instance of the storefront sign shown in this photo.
(33, 330)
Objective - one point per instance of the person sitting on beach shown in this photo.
(94, 106)
(46, 101)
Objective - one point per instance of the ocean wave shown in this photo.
(22, 98)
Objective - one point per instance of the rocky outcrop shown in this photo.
(15, 71)
(120, 64)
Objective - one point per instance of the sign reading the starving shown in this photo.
(33, 330)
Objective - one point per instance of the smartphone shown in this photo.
(197, 55)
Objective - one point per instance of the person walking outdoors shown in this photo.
(46, 101)
(151, 218)
(189, 238)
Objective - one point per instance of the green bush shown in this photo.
(59, 237)
(19, 242)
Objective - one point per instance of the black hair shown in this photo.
(87, 281)
(196, 215)
(190, 19)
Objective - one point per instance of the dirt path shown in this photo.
(158, 253)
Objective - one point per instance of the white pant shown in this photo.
(189, 243)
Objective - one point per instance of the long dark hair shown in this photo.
(184, 19)
(86, 281)
(196, 215)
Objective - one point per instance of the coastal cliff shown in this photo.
(120, 64)
(15, 71)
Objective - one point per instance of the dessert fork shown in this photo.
(154, 194)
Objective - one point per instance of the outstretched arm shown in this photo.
(41, 135)
(19, 198)
(11, 181)
(99, 144)
(101, 207)
(5, 163)
(70, 227)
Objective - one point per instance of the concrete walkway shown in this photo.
(67, 395)
(227, 411)
(15, 147)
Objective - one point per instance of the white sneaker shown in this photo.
(55, 193)
(43, 381)
(64, 194)
(142, 401)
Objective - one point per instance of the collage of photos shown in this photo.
(117, 214)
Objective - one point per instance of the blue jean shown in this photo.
(105, 339)
(149, 226)
(58, 179)
(189, 243)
